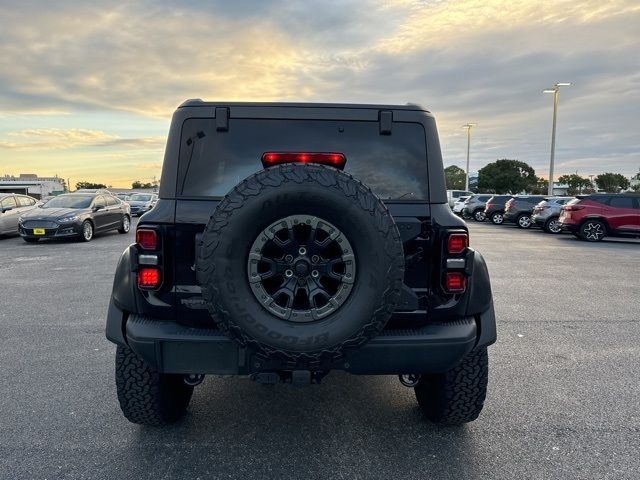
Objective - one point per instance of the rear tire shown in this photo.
(593, 231)
(524, 221)
(479, 216)
(126, 224)
(146, 396)
(457, 396)
(553, 226)
(497, 218)
(31, 240)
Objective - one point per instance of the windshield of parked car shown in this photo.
(69, 201)
(140, 198)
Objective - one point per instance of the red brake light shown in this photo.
(148, 278)
(147, 239)
(457, 242)
(455, 282)
(337, 160)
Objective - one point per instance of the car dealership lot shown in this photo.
(562, 400)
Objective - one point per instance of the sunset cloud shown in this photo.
(58, 138)
(467, 60)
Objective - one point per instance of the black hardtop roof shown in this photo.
(197, 102)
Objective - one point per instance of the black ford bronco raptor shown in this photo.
(290, 240)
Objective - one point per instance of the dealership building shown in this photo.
(32, 185)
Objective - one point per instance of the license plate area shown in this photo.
(39, 231)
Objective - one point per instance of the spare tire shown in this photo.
(301, 262)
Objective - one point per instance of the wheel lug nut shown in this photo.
(288, 258)
(314, 274)
(302, 251)
(288, 273)
(315, 258)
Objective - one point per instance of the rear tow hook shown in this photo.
(410, 379)
(193, 379)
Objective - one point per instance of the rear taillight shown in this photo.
(508, 205)
(455, 263)
(337, 160)
(572, 208)
(149, 278)
(489, 205)
(457, 243)
(455, 282)
(147, 238)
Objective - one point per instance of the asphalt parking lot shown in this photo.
(562, 403)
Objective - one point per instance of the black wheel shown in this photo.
(125, 226)
(524, 221)
(316, 274)
(553, 225)
(457, 396)
(30, 240)
(593, 230)
(87, 231)
(146, 396)
(497, 218)
(479, 216)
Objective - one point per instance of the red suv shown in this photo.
(591, 217)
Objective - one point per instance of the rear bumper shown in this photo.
(174, 348)
(570, 227)
(511, 216)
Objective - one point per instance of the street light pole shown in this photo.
(468, 126)
(556, 92)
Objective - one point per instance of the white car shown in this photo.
(453, 195)
(458, 205)
(11, 207)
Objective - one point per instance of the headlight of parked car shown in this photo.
(68, 219)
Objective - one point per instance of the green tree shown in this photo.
(63, 183)
(138, 184)
(636, 187)
(612, 182)
(576, 183)
(455, 177)
(507, 176)
(91, 185)
(541, 187)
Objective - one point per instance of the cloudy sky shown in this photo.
(87, 90)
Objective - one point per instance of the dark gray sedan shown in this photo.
(75, 215)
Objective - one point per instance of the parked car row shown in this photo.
(81, 214)
(589, 217)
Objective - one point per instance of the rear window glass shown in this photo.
(212, 162)
(621, 202)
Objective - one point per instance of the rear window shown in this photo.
(621, 202)
(600, 198)
(212, 162)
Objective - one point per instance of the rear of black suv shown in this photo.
(290, 240)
